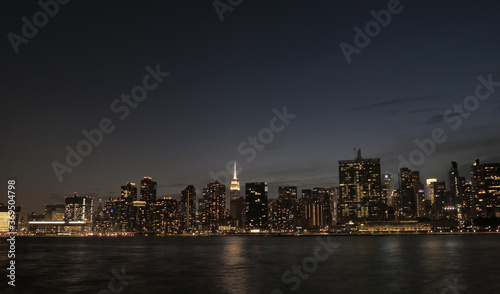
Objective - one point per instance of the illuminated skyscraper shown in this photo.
(360, 189)
(79, 209)
(486, 189)
(429, 189)
(214, 209)
(143, 209)
(235, 185)
(129, 193)
(387, 190)
(256, 206)
(236, 204)
(286, 206)
(166, 215)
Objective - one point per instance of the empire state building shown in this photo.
(236, 202)
(235, 186)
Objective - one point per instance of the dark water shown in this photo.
(370, 264)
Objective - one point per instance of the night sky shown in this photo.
(226, 77)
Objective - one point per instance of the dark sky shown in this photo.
(226, 77)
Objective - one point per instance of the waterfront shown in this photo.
(360, 264)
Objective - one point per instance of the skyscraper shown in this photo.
(143, 209)
(408, 181)
(256, 206)
(214, 210)
(129, 193)
(439, 200)
(456, 191)
(387, 189)
(286, 206)
(360, 189)
(148, 190)
(188, 208)
(429, 189)
(486, 189)
(79, 209)
(236, 203)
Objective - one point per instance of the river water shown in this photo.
(337, 264)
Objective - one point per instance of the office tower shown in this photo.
(256, 212)
(214, 210)
(79, 209)
(273, 218)
(142, 208)
(387, 190)
(166, 216)
(456, 191)
(439, 200)
(129, 193)
(486, 189)
(420, 200)
(286, 206)
(236, 202)
(317, 208)
(360, 189)
(148, 190)
(334, 198)
(396, 201)
(429, 189)
(313, 208)
(408, 181)
(325, 199)
(468, 200)
(55, 212)
(114, 216)
(188, 209)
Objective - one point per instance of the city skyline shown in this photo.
(215, 83)
(130, 191)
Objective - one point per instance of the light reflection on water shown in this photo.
(370, 264)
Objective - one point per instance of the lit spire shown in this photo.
(234, 173)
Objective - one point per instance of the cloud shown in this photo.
(421, 110)
(398, 101)
(435, 119)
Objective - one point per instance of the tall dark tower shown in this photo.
(360, 189)
(456, 191)
(256, 206)
(148, 190)
(188, 208)
(408, 187)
